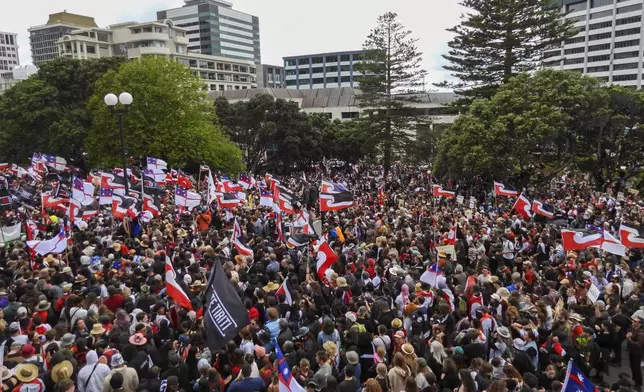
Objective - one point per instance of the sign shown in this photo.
(593, 293)
(620, 196)
(448, 249)
(472, 202)
(459, 199)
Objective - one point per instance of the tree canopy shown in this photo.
(169, 118)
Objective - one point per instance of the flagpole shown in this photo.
(199, 178)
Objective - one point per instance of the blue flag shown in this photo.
(576, 381)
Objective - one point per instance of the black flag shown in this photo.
(224, 312)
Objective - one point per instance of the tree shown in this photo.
(347, 141)
(169, 118)
(498, 39)
(391, 69)
(47, 112)
(531, 122)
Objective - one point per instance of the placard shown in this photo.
(460, 199)
(593, 293)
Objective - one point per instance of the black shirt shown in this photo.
(349, 385)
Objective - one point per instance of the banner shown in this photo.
(448, 249)
(224, 312)
(10, 233)
(593, 293)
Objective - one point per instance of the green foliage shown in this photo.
(543, 124)
(498, 39)
(392, 68)
(169, 118)
(47, 112)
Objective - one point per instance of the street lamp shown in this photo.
(125, 99)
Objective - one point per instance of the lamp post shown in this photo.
(125, 99)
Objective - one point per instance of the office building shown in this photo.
(609, 45)
(8, 51)
(44, 38)
(215, 28)
(159, 38)
(273, 76)
(9, 79)
(343, 103)
(326, 70)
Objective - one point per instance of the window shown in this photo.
(303, 71)
(603, 68)
(303, 61)
(618, 67)
(579, 60)
(576, 40)
(621, 78)
(345, 68)
(91, 49)
(290, 63)
(601, 14)
(595, 37)
(621, 33)
(291, 82)
(601, 25)
(304, 81)
(345, 57)
(331, 59)
(604, 57)
(318, 80)
(317, 70)
(348, 115)
(554, 53)
(332, 80)
(630, 8)
(576, 7)
(345, 79)
(317, 60)
(632, 19)
(332, 69)
(580, 70)
(574, 51)
(626, 55)
(555, 63)
(625, 44)
(599, 3)
(595, 48)
(291, 72)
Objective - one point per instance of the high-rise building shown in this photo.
(8, 51)
(324, 70)
(158, 38)
(44, 38)
(609, 45)
(273, 76)
(215, 28)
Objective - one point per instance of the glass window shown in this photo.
(331, 59)
(303, 61)
(344, 57)
(601, 14)
(553, 53)
(625, 44)
(630, 8)
(595, 48)
(290, 63)
(332, 69)
(621, 78)
(632, 19)
(318, 80)
(345, 68)
(291, 82)
(599, 3)
(576, 7)
(621, 33)
(555, 63)
(576, 40)
(345, 79)
(601, 25)
(291, 72)
(303, 71)
(574, 50)
(595, 37)
(304, 81)
(317, 60)
(317, 70)
(579, 60)
(332, 80)
(626, 55)
(603, 68)
(604, 57)
(617, 67)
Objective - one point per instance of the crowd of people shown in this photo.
(507, 309)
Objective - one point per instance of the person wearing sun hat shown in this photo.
(27, 375)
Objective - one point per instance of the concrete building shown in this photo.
(215, 28)
(325, 70)
(44, 38)
(160, 38)
(8, 51)
(273, 76)
(342, 103)
(9, 79)
(609, 45)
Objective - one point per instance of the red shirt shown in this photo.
(115, 302)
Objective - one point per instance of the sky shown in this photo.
(287, 27)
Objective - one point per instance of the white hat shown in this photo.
(351, 317)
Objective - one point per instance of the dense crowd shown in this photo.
(507, 309)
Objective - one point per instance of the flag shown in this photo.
(537, 208)
(335, 201)
(155, 175)
(285, 380)
(83, 191)
(151, 204)
(331, 187)
(54, 245)
(212, 189)
(236, 239)
(156, 163)
(285, 289)
(10, 233)
(224, 312)
(54, 162)
(105, 196)
(48, 201)
(204, 168)
(37, 164)
(451, 236)
(78, 212)
(265, 198)
(578, 240)
(631, 237)
(185, 198)
(500, 190)
(430, 276)
(522, 207)
(326, 257)
(576, 381)
(246, 181)
(612, 245)
(4, 166)
(113, 181)
(279, 227)
(184, 181)
(123, 205)
(299, 240)
(173, 289)
(438, 191)
(227, 186)
(227, 200)
(270, 181)
(284, 199)
(5, 198)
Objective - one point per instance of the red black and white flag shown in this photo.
(335, 201)
(284, 199)
(285, 289)
(631, 237)
(451, 236)
(238, 242)
(228, 200)
(539, 209)
(580, 240)
(172, 288)
(124, 205)
(152, 204)
(326, 257)
(522, 207)
(438, 191)
(501, 190)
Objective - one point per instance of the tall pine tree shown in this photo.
(390, 71)
(498, 39)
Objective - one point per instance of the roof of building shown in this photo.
(324, 97)
(324, 54)
(71, 19)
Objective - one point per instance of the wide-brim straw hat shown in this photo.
(26, 372)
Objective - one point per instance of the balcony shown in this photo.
(142, 51)
(151, 37)
(181, 40)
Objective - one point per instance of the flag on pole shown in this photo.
(172, 287)
(236, 239)
(185, 198)
(212, 188)
(58, 244)
(501, 190)
(285, 380)
(156, 163)
(576, 381)
(522, 207)
(431, 275)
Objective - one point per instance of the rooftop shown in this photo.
(71, 19)
(324, 54)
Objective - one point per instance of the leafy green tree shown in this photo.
(169, 118)
(48, 112)
(391, 69)
(498, 39)
(347, 141)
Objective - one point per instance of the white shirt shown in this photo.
(508, 245)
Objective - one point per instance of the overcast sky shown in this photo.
(287, 27)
